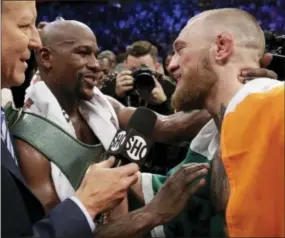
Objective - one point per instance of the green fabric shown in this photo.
(199, 218)
(71, 156)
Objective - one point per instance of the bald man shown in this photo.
(210, 52)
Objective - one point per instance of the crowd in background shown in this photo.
(120, 23)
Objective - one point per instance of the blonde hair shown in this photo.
(240, 24)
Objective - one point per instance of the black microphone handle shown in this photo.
(119, 159)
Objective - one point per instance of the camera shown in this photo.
(144, 78)
(275, 44)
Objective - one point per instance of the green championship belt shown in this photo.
(71, 156)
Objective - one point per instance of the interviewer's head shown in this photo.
(19, 37)
(214, 45)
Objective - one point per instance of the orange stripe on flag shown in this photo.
(252, 141)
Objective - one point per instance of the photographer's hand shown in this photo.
(124, 83)
(157, 95)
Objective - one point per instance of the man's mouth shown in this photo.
(90, 77)
(177, 77)
(24, 63)
(178, 80)
(25, 58)
(90, 80)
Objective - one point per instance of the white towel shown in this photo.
(6, 96)
(98, 113)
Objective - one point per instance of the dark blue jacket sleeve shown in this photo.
(64, 221)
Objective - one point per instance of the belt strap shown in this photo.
(71, 156)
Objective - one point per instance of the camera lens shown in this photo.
(143, 79)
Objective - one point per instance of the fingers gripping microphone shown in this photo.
(134, 144)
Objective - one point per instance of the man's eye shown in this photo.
(84, 53)
(25, 26)
(179, 50)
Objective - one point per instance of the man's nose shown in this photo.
(173, 64)
(93, 63)
(35, 42)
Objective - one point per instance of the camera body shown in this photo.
(275, 44)
(144, 78)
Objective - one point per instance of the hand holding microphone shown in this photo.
(104, 187)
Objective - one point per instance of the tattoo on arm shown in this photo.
(219, 184)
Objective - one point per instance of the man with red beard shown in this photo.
(210, 52)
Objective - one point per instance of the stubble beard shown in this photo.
(192, 92)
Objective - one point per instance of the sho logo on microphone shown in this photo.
(136, 147)
(118, 141)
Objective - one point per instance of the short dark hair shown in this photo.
(121, 58)
(142, 48)
(108, 55)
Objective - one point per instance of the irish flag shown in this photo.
(252, 142)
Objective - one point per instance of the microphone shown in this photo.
(133, 145)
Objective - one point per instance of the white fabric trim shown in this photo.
(148, 194)
(6, 96)
(147, 187)
(207, 141)
(258, 85)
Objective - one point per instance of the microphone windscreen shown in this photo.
(143, 121)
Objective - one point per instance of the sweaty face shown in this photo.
(190, 66)
(19, 36)
(135, 62)
(74, 67)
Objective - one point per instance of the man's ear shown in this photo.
(45, 58)
(224, 47)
